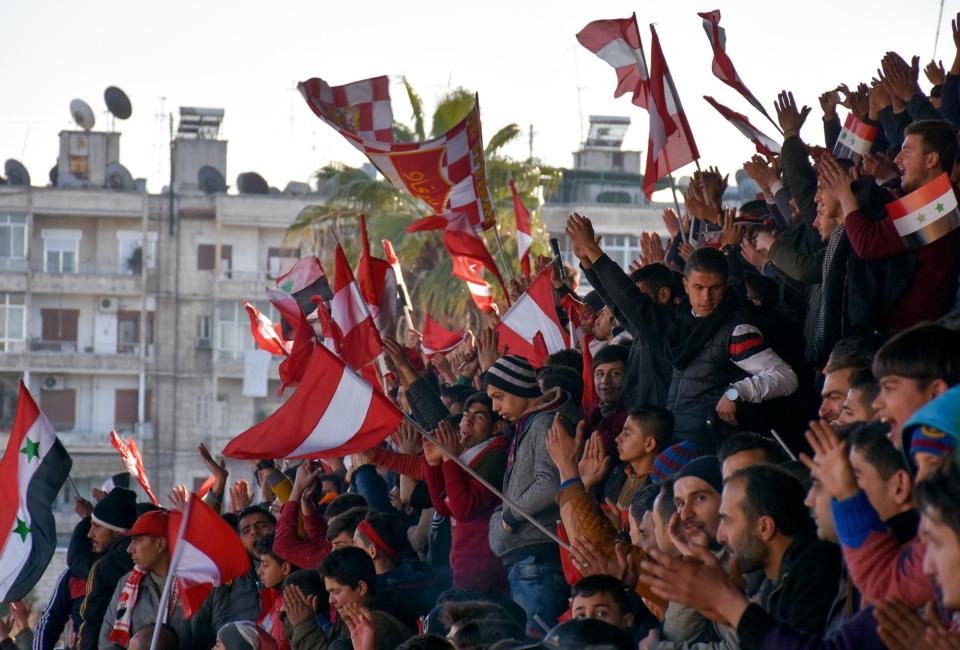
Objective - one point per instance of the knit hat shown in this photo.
(117, 511)
(673, 458)
(245, 635)
(705, 468)
(515, 375)
(593, 301)
(934, 427)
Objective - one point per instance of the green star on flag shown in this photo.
(31, 449)
(22, 529)
(843, 135)
(940, 207)
(921, 218)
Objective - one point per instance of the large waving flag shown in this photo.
(265, 334)
(671, 144)
(206, 553)
(471, 272)
(617, 41)
(722, 65)
(32, 471)
(332, 413)
(133, 463)
(531, 327)
(358, 334)
(293, 367)
(524, 233)
(926, 214)
(856, 138)
(437, 338)
(378, 284)
(764, 144)
(362, 107)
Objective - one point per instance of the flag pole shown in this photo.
(168, 583)
(676, 205)
(404, 294)
(485, 483)
(503, 255)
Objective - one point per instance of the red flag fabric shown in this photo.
(446, 173)
(437, 338)
(471, 272)
(358, 334)
(533, 314)
(764, 143)
(722, 65)
(378, 284)
(133, 463)
(332, 413)
(265, 333)
(671, 144)
(617, 41)
(590, 400)
(524, 233)
(331, 334)
(206, 553)
(295, 365)
(362, 107)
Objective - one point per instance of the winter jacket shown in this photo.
(758, 630)
(63, 606)
(104, 576)
(410, 590)
(294, 549)
(271, 602)
(389, 633)
(608, 426)
(239, 600)
(145, 612)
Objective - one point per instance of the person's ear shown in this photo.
(649, 444)
(663, 295)
(938, 387)
(933, 160)
(286, 569)
(903, 487)
(628, 620)
(765, 528)
(362, 588)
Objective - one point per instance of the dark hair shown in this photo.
(458, 393)
(870, 440)
(643, 499)
(863, 380)
(611, 354)
(938, 137)
(255, 510)
(481, 398)
(334, 478)
(264, 546)
(389, 528)
(567, 357)
(480, 633)
(656, 422)
(851, 352)
(349, 566)
(602, 584)
(656, 277)
(773, 492)
(426, 642)
(346, 522)
(707, 260)
(765, 288)
(666, 505)
(309, 581)
(563, 377)
(750, 441)
(941, 492)
(924, 352)
(459, 611)
(343, 503)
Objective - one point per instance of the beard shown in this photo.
(751, 555)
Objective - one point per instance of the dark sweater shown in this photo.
(758, 630)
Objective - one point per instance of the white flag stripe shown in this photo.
(195, 567)
(343, 417)
(523, 242)
(347, 310)
(618, 53)
(911, 222)
(479, 289)
(526, 319)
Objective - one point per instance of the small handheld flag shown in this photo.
(927, 214)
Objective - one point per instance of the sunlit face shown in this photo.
(736, 462)
(607, 380)
(828, 214)
(941, 562)
(664, 545)
(602, 607)
(476, 425)
(818, 500)
(509, 407)
(253, 527)
(916, 167)
(147, 552)
(899, 398)
(881, 493)
(101, 537)
(271, 572)
(836, 385)
(632, 445)
(341, 595)
(698, 505)
(705, 290)
(856, 408)
(737, 530)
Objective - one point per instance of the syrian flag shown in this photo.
(531, 327)
(617, 41)
(722, 65)
(524, 233)
(32, 471)
(671, 144)
(265, 334)
(437, 338)
(927, 214)
(133, 463)
(358, 335)
(764, 144)
(378, 284)
(332, 413)
(856, 139)
(471, 272)
(206, 553)
(303, 281)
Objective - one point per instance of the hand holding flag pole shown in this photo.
(168, 582)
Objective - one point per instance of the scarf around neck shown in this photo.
(686, 340)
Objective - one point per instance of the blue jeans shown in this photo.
(537, 585)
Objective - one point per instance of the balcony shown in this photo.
(86, 279)
(67, 356)
(249, 285)
(229, 364)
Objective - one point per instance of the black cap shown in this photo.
(705, 468)
(117, 511)
(593, 301)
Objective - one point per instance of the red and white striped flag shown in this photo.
(764, 143)
(437, 338)
(533, 317)
(524, 233)
(206, 553)
(332, 413)
(378, 284)
(617, 41)
(671, 144)
(133, 463)
(722, 65)
(265, 334)
(471, 272)
(358, 333)
(295, 364)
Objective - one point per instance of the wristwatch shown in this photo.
(732, 394)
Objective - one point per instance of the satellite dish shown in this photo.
(54, 175)
(252, 183)
(117, 102)
(211, 180)
(82, 114)
(118, 178)
(16, 173)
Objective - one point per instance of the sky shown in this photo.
(521, 57)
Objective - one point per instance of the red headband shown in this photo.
(368, 532)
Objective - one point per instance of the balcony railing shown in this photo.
(71, 347)
(85, 268)
(13, 265)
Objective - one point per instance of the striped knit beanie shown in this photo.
(672, 459)
(515, 375)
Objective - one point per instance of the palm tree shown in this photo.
(427, 267)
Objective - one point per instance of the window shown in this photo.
(13, 318)
(233, 326)
(617, 160)
(130, 251)
(125, 408)
(128, 330)
(61, 248)
(206, 254)
(203, 327)
(59, 324)
(280, 260)
(201, 410)
(622, 249)
(13, 242)
(60, 407)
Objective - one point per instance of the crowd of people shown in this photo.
(752, 446)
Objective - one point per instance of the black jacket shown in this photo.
(101, 583)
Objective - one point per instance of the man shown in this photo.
(113, 515)
(531, 481)
(136, 599)
(607, 418)
(696, 495)
(836, 386)
(858, 407)
(719, 359)
(882, 475)
(341, 529)
(748, 448)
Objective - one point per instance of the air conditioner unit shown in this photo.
(52, 382)
(107, 305)
(204, 343)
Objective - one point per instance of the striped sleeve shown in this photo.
(745, 342)
(769, 375)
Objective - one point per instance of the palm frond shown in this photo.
(451, 108)
(502, 137)
(417, 105)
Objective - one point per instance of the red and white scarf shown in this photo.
(120, 634)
